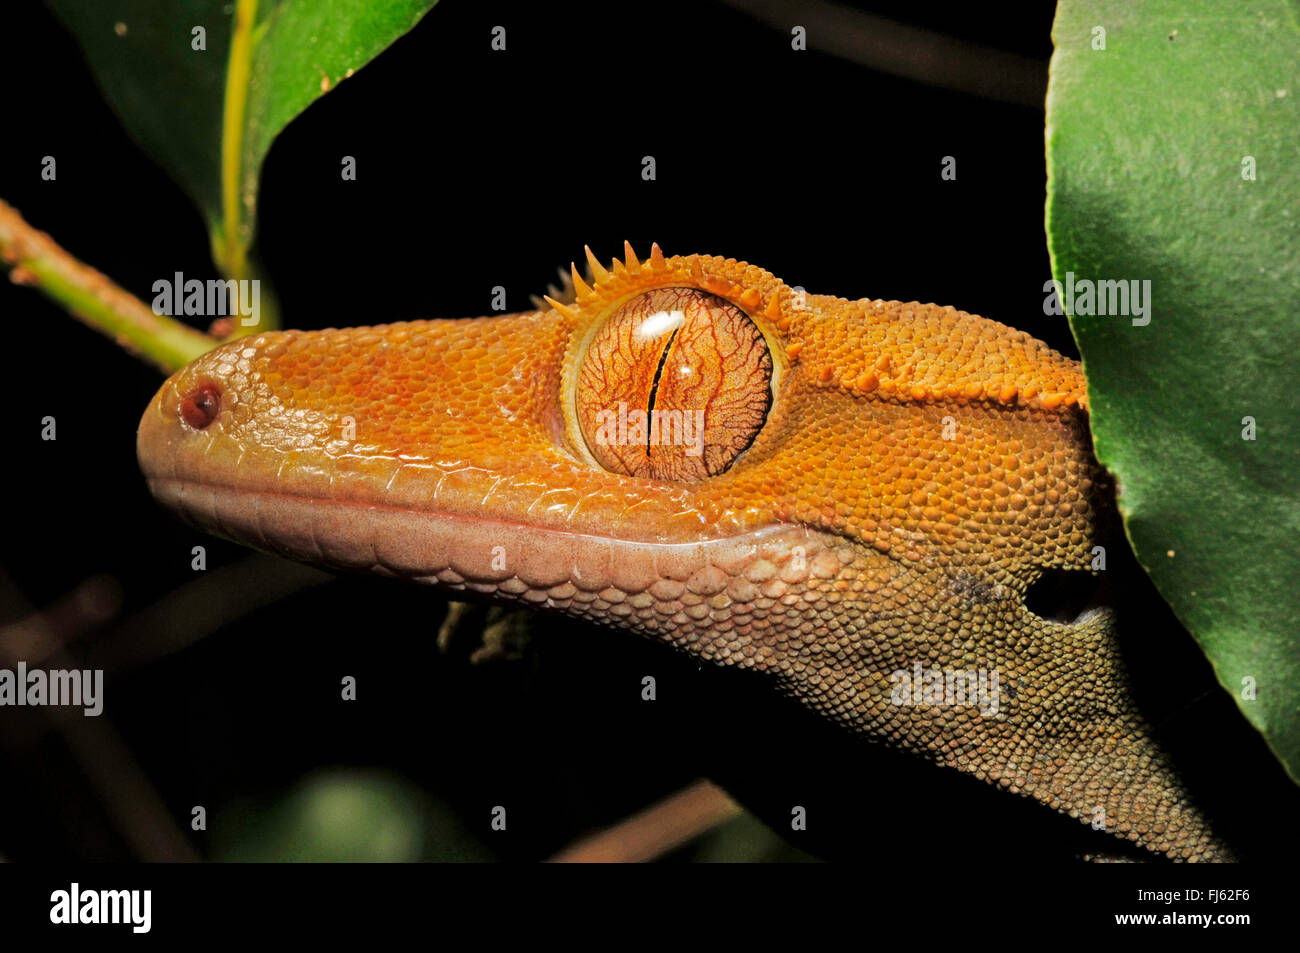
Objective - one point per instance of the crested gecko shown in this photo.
(851, 497)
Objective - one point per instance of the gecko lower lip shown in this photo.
(490, 556)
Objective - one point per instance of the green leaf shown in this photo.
(209, 115)
(1172, 158)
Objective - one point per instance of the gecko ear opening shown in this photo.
(1062, 595)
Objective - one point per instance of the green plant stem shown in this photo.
(232, 249)
(231, 238)
(33, 258)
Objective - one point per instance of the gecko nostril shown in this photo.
(201, 405)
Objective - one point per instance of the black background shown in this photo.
(478, 169)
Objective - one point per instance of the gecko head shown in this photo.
(834, 492)
(687, 443)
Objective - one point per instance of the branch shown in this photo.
(33, 258)
(658, 829)
(914, 53)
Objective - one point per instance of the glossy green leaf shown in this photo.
(1172, 139)
(212, 135)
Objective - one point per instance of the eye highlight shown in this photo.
(675, 386)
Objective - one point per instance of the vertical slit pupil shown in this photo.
(654, 388)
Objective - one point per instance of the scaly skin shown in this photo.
(915, 469)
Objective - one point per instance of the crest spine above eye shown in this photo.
(589, 291)
(580, 287)
(598, 272)
(564, 309)
(630, 259)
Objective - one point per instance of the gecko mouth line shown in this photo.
(454, 549)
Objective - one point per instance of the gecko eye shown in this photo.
(200, 406)
(675, 385)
